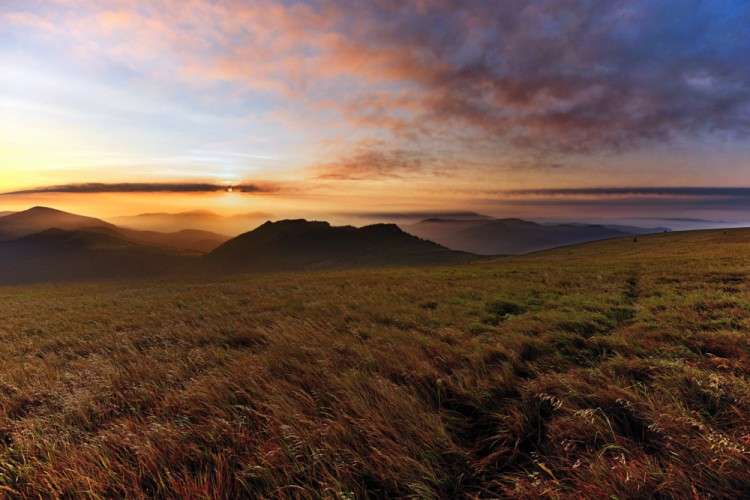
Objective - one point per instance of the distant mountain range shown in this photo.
(44, 245)
(195, 219)
(19, 224)
(484, 236)
(619, 227)
(47, 245)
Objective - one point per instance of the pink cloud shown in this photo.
(546, 77)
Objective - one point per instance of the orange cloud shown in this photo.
(540, 79)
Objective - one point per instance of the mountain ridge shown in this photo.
(39, 218)
(199, 219)
(299, 244)
(46, 244)
(107, 252)
(513, 235)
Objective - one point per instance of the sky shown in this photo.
(635, 109)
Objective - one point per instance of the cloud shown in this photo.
(366, 163)
(95, 187)
(540, 79)
(672, 202)
(550, 77)
(673, 192)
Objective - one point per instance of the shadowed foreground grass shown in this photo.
(609, 369)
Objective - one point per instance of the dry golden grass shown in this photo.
(612, 369)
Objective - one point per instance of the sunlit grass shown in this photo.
(610, 369)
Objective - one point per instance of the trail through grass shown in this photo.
(612, 369)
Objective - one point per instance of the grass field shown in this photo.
(612, 369)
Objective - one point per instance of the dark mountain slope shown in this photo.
(190, 240)
(57, 255)
(300, 245)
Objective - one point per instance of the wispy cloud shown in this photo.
(543, 80)
(367, 163)
(95, 187)
(699, 192)
(679, 204)
(546, 76)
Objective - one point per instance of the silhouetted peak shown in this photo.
(290, 227)
(40, 210)
(40, 218)
(302, 244)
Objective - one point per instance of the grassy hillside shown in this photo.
(611, 369)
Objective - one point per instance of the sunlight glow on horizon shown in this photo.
(428, 105)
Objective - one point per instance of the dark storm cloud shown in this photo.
(558, 76)
(95, 187)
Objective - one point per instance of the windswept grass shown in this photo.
(613, 369)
